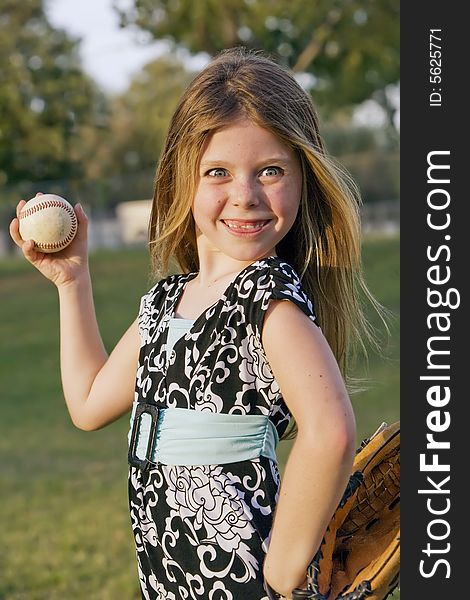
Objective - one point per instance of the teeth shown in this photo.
(255, 226)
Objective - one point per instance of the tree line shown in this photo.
(57, 125)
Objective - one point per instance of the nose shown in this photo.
(245, 194)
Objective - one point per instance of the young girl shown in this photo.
(251, 336)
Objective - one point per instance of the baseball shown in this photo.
(49, 221)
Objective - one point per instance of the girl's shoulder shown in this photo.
(163, 289)
(166, 283)
(273, 278)
(273, 268)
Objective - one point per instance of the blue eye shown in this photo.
(217, 172)
(271, 171)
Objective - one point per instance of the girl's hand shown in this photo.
(284, 595)
(63, 267)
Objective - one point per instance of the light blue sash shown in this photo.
(192, 437)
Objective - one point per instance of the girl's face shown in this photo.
(248, 192)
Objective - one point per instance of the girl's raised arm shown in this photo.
(321, 458)
(97, 388)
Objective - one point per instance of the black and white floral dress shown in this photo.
(201, 532)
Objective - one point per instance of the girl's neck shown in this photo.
(207, 287)
(215, 273)
(212, 278)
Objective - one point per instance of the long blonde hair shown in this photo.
(323, 245)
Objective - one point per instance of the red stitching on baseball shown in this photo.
(47, 204)
(53, 204)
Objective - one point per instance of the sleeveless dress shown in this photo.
(201, 532)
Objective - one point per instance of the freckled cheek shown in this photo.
(286, 203)
(207, 209)
(215, 204)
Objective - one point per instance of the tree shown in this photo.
(350, 47)
(45, 98)
(141, 115)
(125, 152)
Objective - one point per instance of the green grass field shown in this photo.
(64, 522)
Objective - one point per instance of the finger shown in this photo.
(29, 251)
(19, 207)
(15, 232)
(82, 221)
(27, 246)
(79, 211)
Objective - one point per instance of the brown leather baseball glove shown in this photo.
(359, 557)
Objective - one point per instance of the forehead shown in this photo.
(246, 139)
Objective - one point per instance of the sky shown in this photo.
(110, 55)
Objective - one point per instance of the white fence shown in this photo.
(382, 218)
(129, 226)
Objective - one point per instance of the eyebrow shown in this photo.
(282, 159)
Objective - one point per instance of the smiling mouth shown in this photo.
(245, 225)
